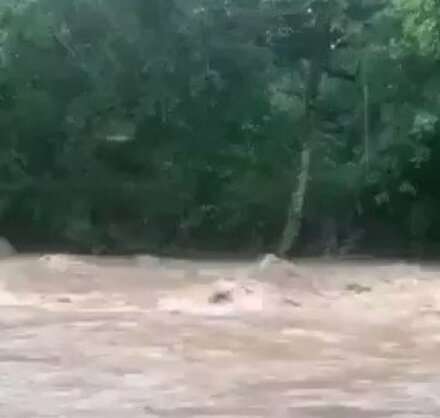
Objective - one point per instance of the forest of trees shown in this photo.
(291, 126)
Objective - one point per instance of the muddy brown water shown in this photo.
(141, 337)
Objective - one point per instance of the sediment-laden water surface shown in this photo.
(146, 337)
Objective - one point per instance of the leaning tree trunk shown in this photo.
(294, 216)
(293, 224)
(366, 115)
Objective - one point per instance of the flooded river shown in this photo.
(145, 337)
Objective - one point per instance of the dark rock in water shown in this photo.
(64, 299)
(221, 296)
(292, 302)
(6, 248)
(357, 288)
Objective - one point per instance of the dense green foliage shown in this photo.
(159, 124)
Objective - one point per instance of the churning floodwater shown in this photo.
(144, 337)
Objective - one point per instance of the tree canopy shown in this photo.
(261, 125)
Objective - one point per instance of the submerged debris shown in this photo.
(230, 297)
(292, 302)
(221, 297)
(357, 288)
